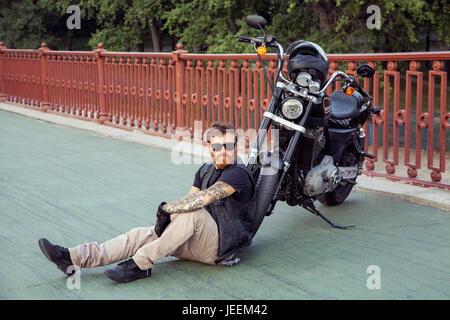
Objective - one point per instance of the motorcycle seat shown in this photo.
(343, 106)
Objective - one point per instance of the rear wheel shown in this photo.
(338, 195)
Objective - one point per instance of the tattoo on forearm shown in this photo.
(200, 199)
(188, 203)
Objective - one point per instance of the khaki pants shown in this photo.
(189, 236)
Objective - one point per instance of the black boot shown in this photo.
(127, 271)
(58, 255)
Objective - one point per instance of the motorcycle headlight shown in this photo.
(292, 108)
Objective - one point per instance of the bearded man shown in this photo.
(210, 224)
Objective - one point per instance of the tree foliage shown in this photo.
(339, 26)
(26, 24)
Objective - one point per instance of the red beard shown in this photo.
(220, 166)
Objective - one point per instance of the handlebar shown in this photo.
(358, 87)
(269, 40)
(348, 79)
(259, 40)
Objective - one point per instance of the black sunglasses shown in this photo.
(218, 146)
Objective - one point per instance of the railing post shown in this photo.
(43, 54)
(180, 127)
(103, 114)
(3, 95)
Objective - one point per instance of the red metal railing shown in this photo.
(412, 123)
(166, 93)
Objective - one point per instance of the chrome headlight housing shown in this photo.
(291, 108)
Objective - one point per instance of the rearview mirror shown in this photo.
(365, 71)
(256, 22)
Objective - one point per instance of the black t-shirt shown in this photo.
(235, 177)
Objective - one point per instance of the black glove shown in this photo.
(162, 220)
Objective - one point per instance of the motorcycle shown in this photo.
(320, 145)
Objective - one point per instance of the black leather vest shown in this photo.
(233, 218)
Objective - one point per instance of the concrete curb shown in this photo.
(433, 197)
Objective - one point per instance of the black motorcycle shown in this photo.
(319, 147)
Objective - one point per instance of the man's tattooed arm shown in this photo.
(193, 189)
(200, 199)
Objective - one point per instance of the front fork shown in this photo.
(285, 164)
(262, 131)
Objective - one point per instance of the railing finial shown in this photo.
(414, 65)
(438, 65)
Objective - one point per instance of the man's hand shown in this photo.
(200, 199)
(162, 219)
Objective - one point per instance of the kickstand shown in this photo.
(311, 208)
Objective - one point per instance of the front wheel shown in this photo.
(265, 192)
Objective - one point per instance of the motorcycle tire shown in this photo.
(255, 170)
(265, 192)
(337, 196)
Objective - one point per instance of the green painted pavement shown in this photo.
(73, 186)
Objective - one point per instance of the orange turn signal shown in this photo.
(261, 50)
(349, 91)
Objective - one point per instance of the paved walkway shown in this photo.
(73, 186)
